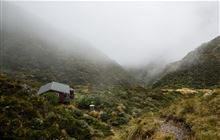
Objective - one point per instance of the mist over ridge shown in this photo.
(114, 70)
(25, 25)
(134, 34)
(31, 48)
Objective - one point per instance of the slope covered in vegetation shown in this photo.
(33, 50)
(33, 54)
(193, 116)
(28, 116)
(24, 114)
(200, 111)
(199, 69)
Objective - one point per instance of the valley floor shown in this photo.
(123, 113)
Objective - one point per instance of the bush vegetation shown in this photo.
(24, 114)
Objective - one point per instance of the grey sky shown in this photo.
(134, 33)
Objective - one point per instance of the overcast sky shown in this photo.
(134, 33)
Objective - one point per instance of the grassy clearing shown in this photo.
(196, 114)
(201, 112)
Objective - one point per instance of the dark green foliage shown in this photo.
(119, 120)
(106, 130)
(28, 116)
(19, 118)
(52, 97)
(85, 101)
(74, 126)
(24, 114)
(105, 116)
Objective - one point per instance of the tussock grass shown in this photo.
(144, 128)
(201, 112)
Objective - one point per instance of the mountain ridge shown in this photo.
(199, 68)
(47, 55)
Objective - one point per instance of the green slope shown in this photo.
(33, 49)
(38, 61)
(199, 69)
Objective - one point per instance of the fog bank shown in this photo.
(133, 33)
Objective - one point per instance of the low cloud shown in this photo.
(133, 33)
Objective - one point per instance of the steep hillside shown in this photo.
(199, 69)
(31, 49)
(38, 59)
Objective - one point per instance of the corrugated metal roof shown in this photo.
(54, 86)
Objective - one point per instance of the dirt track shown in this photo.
(177, 129)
